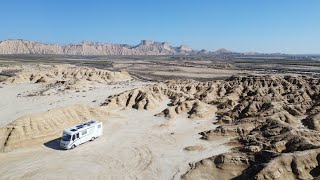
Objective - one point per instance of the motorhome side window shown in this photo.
(73, 137)
(84, 132)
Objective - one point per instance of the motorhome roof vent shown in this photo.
(79, 126)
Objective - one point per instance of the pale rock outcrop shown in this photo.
(41, 127)
(264, 114)
(63, 77)
(92, 48)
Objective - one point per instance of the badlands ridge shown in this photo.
(272, 122)
(95, 48)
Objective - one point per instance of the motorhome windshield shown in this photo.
(66, 137)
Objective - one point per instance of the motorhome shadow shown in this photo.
(54, 144)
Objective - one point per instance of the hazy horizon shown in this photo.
(290, 27)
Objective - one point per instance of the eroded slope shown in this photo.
(274, 121)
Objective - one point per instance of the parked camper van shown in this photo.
(74, 136)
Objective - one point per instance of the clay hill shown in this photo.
(273, 123)
(58, 78)
(54, 79)
(93, 48)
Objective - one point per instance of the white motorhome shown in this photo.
(81, 133)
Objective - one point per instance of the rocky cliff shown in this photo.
(92, 48)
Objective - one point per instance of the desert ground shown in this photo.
(164, 117)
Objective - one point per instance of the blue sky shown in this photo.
(287, 26)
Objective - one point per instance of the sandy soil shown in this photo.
(15, 101)
(135, 145)
(138, 145)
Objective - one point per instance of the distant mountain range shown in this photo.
(18, 46)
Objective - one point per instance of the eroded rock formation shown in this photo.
(275, 120)
(41, 127)
(92, 48)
